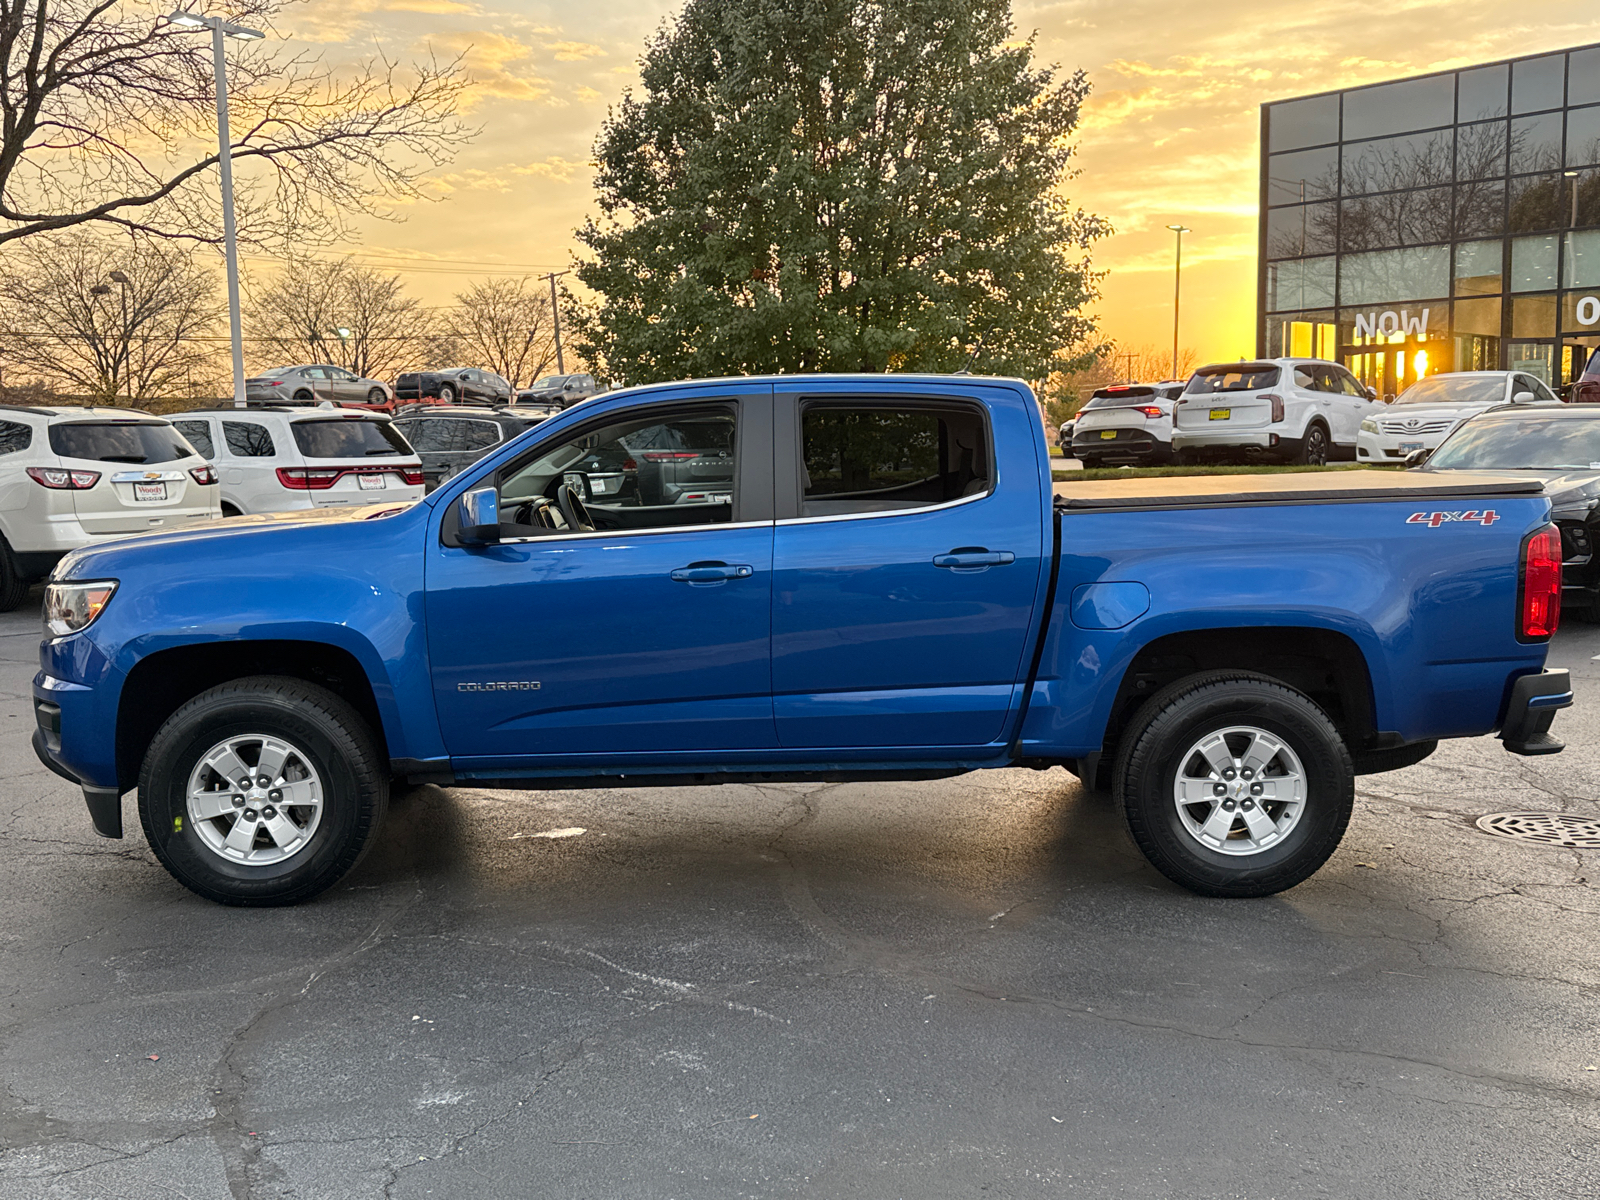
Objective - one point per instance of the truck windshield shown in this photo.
(1522, 444)
(340, 437)
(1235, 377)
(1455, 389)
(121, 441)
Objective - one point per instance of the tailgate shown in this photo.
(1222, 410)
(131, 501)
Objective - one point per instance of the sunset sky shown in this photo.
(1170, 134)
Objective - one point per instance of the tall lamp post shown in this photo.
(1177, 291)
(555, 316)
(230, 234)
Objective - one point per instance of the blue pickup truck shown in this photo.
(800, 578)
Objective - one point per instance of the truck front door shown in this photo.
(648, 634)
(905, 566)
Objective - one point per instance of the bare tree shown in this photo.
(505, 326)
(106, 108)
(1065, 392)
(121, 318)
(297, 317)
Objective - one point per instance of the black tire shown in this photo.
(13, 584)
(376, 396)
(230, 510)
(1314, 446)
(1185, 458)
(1151, 754)
(447, 394)
(326, 731)
(1091, 462)
(302, 394)
(1589, 614)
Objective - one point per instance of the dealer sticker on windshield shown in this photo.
(1435, 519)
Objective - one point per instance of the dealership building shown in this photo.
(1449, 222)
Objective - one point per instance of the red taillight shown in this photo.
(1277, 405)
(61, 479)
(203, 474)
(629, 465)
(1539, 600)
(1150, 410)
(412, 476)
(669, 455)
(308, 479)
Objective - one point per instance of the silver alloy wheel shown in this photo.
(255, 799)
(1239, 790)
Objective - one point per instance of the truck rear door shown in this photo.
(906, 560)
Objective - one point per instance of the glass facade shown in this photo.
(1445, 223)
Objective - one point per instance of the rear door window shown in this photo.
(247, 439)
(198, 434)
(340, 437)
(119, 441)
(15, 436)
(869, 458)
(477, 435)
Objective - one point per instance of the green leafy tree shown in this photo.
(838, 185)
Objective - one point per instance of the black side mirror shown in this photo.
(480, 517)
(1416, 458)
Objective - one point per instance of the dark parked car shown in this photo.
(449, 438)
(1559, 445)
(565, 390)
(452, 385)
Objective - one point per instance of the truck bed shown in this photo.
(1199, 491)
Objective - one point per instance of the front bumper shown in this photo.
(1392, 448)
(1534, 702)
(104, 803)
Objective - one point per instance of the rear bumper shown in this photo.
(1130, 445)
(1534, 702)
(1225, 439)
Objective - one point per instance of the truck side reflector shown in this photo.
(1539, 590)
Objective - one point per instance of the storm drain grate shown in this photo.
(1552, 829)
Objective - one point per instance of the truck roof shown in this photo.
(1193, 491)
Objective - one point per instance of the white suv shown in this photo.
(1428, 411)
(1125, 423)
(277, 459)
(1289, 409)
(72, 476)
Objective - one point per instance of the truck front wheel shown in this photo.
(262, 791)
(1234, 784)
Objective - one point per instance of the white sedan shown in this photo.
(1428, 411)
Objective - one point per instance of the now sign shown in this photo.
(1390, 322)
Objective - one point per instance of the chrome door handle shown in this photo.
(968, 559)
(712, 572)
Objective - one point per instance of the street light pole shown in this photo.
(1177, 291)
(555, 314)
(230, 233)
(122, 281)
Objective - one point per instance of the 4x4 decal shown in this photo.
(1435, 519)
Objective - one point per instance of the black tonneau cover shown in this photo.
(1216, 491)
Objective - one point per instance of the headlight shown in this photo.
(1368, 425)
(69, 607)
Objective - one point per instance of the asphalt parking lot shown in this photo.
(969, 988)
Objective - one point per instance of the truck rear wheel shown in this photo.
(1234, 784)
(262, 791)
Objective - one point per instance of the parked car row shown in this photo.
(318, 382)
(1288, 410)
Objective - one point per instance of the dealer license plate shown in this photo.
(1107, 435)
(149, 491)
(371, 483)
(1408, 447)
(1221, 414)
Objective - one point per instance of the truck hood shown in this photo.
(1573, 492)
(1422, 413)
(230, 536)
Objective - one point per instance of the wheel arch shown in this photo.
(1324, 664)
(161, 682)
